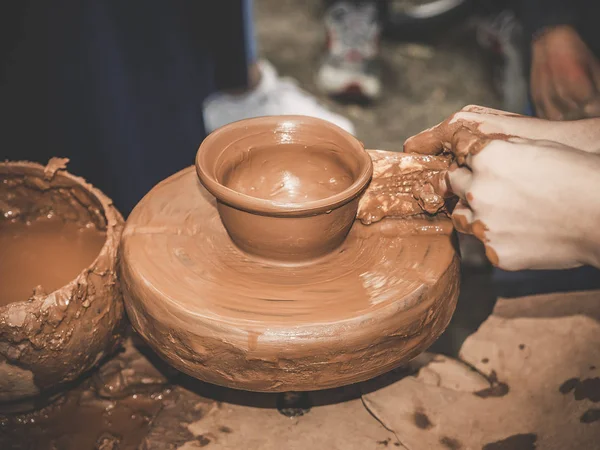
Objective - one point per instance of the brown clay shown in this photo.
(28, 262)
(230, 318)
(403, 186)
(267, 173)
(286, 188)
(111, 410)
(55, 324)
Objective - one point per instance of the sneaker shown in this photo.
(351, 66)
(273, 96)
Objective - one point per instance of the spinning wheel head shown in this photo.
(229, 318)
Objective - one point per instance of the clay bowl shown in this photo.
(287, 187)
(52, 338)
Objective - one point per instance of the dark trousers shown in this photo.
(116, 86)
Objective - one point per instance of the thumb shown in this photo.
(427, 142)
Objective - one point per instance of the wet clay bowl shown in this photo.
(287, 187)
(54, 336)
(223, 316)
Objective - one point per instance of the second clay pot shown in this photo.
(61, 311)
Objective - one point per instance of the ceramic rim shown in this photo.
(267, 207)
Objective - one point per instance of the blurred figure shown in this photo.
(265, 94)
(558, 44)
(502, 34)
(565, 69)
(350, 67)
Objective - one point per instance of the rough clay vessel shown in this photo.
(50, 340)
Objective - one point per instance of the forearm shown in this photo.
(581, 134)
(584, 211)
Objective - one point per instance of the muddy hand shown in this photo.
(487, 122)
(520, 196)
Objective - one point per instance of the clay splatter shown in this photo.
(582, 389)
(568, 385)
(422, 421)
(515, 442)
(591, 415)
(450, 443)
(203, 441)
(497, 389)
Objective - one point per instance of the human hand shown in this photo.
(565, 76)
(531, 202)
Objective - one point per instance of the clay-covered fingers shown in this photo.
(459, 181)
(462, 218)
(466, 143)
(438, 139)
(459, 134)
(432, 141)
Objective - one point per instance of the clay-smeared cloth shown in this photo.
(530, 379)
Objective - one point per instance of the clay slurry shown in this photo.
(290, 173)
(47, 252)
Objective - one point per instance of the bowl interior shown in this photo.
(283, 164)
(288, 173)
(50, 230)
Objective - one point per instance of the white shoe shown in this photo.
(351, 65)
(273, 96)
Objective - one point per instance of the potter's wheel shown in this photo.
(235, 320)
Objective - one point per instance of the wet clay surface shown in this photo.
(386, 293)
(279, 175)
(29, 255)
(112, 409)
(404, 186)
(132, 404)
(83, 421)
